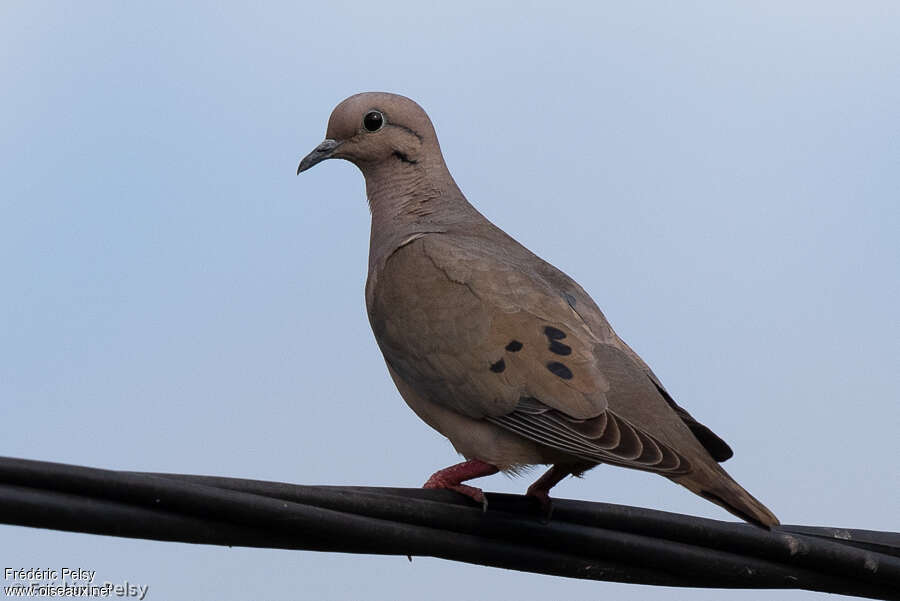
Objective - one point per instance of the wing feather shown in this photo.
(619, 442)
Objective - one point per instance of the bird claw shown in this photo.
(476, 494)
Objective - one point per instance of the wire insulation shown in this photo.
(583, 540)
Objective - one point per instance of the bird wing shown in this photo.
(469, 328)
(591, 314)
(471, 332)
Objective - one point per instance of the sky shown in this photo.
(722, 178)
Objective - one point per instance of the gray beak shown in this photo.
(320, 153)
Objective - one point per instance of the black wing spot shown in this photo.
(498, 367)
(553, 334)
(514, 346)
(558, 369)
(559, 348)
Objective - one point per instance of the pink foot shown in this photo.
(452, 477)
(540, 490)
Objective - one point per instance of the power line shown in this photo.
(586, 540)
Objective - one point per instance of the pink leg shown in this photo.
(452, 477)
(540, 490)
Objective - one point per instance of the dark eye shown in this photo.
(373, 121)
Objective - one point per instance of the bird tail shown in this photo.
(714, 484)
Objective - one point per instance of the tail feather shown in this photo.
(714, 484)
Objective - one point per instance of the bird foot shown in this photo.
(540, 490)
(542, 497)
(452, 477)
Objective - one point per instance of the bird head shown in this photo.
(376, 129)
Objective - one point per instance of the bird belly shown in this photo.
(475, 438)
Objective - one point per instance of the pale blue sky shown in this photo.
(723, 179)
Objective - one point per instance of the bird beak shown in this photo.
(320, 153)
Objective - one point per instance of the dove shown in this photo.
(499, 351)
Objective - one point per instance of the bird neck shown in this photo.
(410, 199)
(401, 194)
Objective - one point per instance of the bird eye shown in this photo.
(373, 121)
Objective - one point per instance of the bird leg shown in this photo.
(453, 476)
(540, 490)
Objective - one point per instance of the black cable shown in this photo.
(583, 540)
